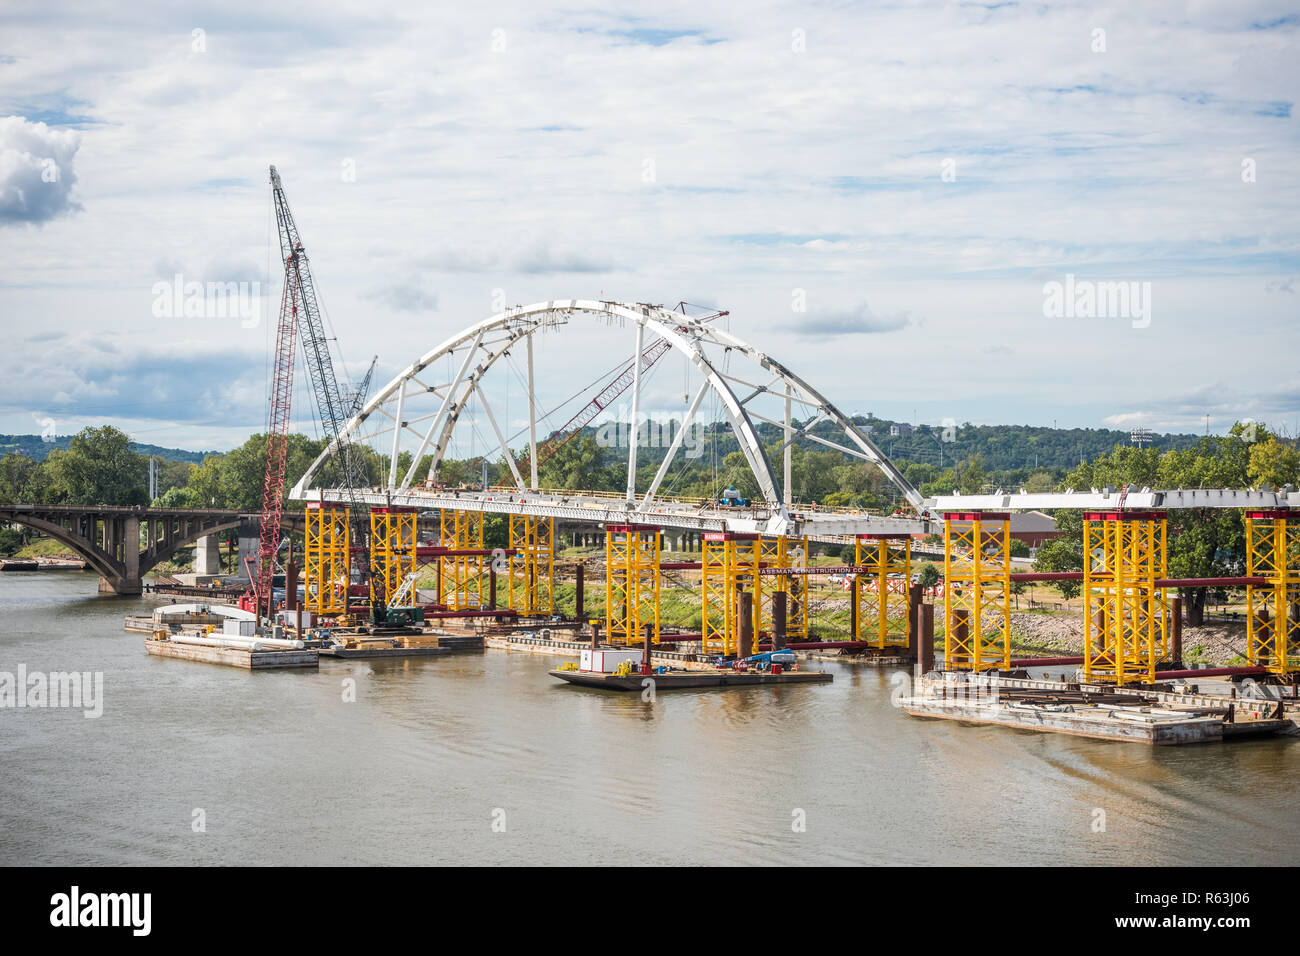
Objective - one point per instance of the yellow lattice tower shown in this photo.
(977, 590)
(392, 547)
(460, 576)
(1125, 619)
(326, 560)
(532, 565)
(729, 561)
(631, 583)
(783, 552)
(883, 590)
(1273, 609)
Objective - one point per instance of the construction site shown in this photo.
(400, 566)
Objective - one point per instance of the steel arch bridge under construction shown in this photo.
(429, 413)
(760, 549)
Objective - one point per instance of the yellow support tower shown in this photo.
(326, 560)
(631, 583)
(392, 547)
(977, 591)
(729, 562)
(883, 591)
(460, 576)
(532, 565)
(1125, 621)
(1273, 609)
(783, 552)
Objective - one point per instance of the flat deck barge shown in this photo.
(264, 659)
(682, 680)
(349, 646)
(1148, 716)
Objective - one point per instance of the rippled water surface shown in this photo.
(433, 752)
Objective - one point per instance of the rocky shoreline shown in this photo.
(1061, 634)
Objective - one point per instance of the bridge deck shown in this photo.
(611, 509)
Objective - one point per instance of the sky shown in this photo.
(883, 196)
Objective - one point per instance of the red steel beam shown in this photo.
(1233, 582)
(1210, 582)
(830, 645)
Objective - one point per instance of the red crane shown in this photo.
(277, 445)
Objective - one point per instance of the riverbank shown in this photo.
(1060, 634)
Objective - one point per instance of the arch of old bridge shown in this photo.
(124, 543)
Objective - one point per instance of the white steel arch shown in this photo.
(476, 349)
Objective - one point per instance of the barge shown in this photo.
(623, 669)
(1152, 716)
(681, 680)
(248, 655)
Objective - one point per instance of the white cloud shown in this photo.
(36, 174)
(525, 170)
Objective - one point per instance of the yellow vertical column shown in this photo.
(731, 561)
(883, 591)
(785, 553)
(462, 573)
(326, 559)
(531, 585)
(713, 591)
(1125, 616)
(977, 590)
(631, 583)
(1273, 609)
(392, 548)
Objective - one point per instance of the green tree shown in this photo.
(98, 467)
(1272, 464)
(972, 475)
(22, 479)
(205, 483)
(1040, 482)
(1064, 553)
(577, 465)
(178, 498)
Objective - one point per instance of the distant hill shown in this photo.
(1006, 447)
(36, 448)
(1003, 447)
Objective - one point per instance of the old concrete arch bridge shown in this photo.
(123, 544)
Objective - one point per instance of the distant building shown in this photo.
(1033, 527)
(900, 430)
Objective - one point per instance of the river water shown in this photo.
(484, 759)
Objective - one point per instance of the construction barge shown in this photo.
(682, 680)
(624, 669)
(1150, 715)
(412, 644)
(253, 655)
(223, 634)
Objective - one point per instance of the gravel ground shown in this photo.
(1062, 634)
